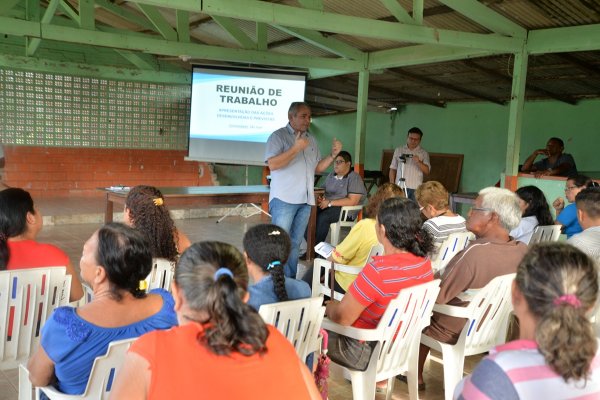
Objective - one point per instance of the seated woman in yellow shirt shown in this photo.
(355, 248)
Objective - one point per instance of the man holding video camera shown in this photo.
(409, 163)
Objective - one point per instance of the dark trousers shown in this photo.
(326, 217)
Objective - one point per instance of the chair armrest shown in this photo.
(350, 331)
(53, 394)
(452, 311)
(351, 269)
(25, 386)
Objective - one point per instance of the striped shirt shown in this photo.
(441, 227)
(587, 241)
(380, 281)
(517, 370)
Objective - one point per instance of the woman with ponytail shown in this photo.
(266, 250)
(114, 263)
(404, 264)
(222, 348)
(557, 355)
(20, 224)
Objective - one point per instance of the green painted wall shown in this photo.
(477, 130)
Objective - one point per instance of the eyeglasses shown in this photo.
(338, 162)
(482, 209)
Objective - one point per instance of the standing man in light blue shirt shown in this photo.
(293, 157)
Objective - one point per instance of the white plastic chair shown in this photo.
(298, 320)
(161, 274)
(27, 299)
(99, 384)
(345, 221)
(487, 322)
(322, 268)
(397, 336)
(453, 244)
(545, 233)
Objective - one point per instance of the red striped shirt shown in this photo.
(380, 281)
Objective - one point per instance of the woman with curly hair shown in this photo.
(221, 349)
(145, 211)
(266, 250)
(557, 355)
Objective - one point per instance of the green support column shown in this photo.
(515, 118)
(361, 121)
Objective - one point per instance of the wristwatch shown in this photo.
(329, 204)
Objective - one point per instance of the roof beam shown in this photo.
(69, 11)
(486, 17)
(312, 4)
(86, 14)
(34, 43)
(587, 67)
(142, 61)
(531, 86)
(421, 54)
(445, 85)
(7, 5)
(317, 91)
(126, 14)
(262, 38)
(183, 25)
(78, 69)
(343, 104)
(417, 12)
(567, 39)
(262, 11)
(159, 22)
(398, 11)
(158, 46)
(235, 32)
(321, 41)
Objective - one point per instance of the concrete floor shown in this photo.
(70, 222)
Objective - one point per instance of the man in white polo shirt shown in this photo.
(293, 157)
(415, 160)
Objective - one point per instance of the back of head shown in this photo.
(504, 203)
(151, 217)
(536, 204)
(403, 226)
(434, 193)
(15, 203)
(268, 246)
(560, 285)
(213, 279)
(588, 200)
(126, 258)
(385, 191)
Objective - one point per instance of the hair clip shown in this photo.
(273, 264)
(158, 201)
(222, 271)
(274, 233)
(143, 285)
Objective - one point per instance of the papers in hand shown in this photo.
(324, 249)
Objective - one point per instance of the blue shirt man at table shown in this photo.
(293, 157)
(556, 163)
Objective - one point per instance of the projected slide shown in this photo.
(239, 105)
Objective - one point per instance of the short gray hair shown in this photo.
(295, 106)
(504, 203)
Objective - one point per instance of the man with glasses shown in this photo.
(556, 162)
(412, 161)
(493, 253)
(293, 157)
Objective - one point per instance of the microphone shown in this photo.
(403, 157)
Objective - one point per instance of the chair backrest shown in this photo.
(27, 299)
(453, 244)
(323, 267)
(102, 375)
(401, 326)
(489, 316)
(348, 218)
(298, 320)
(545, 233)
(161, 274)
